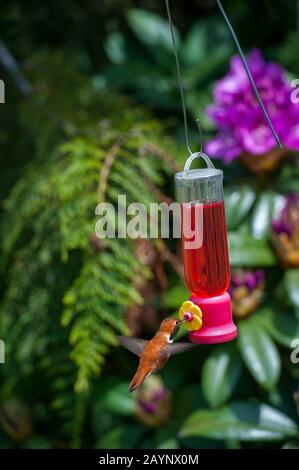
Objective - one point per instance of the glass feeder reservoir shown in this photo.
(205, 249)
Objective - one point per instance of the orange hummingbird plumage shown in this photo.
(154, 353)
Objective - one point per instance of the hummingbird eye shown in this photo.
(177, 322)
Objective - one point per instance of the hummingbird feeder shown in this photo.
(206, 261)
(207, 314)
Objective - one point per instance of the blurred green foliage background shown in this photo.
(92, 111)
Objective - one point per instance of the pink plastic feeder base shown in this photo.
(218, 325)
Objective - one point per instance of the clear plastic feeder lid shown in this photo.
(200, 185)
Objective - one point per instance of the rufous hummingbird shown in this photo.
(154, 353)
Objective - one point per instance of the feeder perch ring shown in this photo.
(192, 314)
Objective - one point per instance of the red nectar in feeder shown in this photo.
(207, 266)
(205, 250)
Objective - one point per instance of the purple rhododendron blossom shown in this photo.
(249, 279)
(288, 220)
(151, 404)
(238, 116)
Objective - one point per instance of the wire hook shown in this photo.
(200, 134)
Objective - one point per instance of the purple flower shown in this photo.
(148, 407)
(249, 279)
(285, 232)
(238, 116)
(288, 220)
(246, 291)
(153, 402)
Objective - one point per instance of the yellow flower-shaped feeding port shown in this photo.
(187, 309)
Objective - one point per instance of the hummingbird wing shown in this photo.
(176, 348)
(134, 345)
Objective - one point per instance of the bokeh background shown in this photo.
(92, 111)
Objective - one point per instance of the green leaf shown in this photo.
(120, 437)
(282, 326)
(291, 282)
(175, 296)
(220, 374)
(238, 203)
(259, 354)
(151, 29)
(119, 400)
(115, 47)
(242, 421)
(291, 445)
(170, 443)
(263, 213)
(205, 39)
(194, 47)
(188, 399)
(244, 250)
(36, 442)
(288, 179)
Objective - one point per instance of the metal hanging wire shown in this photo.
(180, 82)
(236, 41)
(181, 88)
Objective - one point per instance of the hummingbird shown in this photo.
(154, 353)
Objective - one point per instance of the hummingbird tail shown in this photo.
(138, 380)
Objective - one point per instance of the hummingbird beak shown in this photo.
(183, 320)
